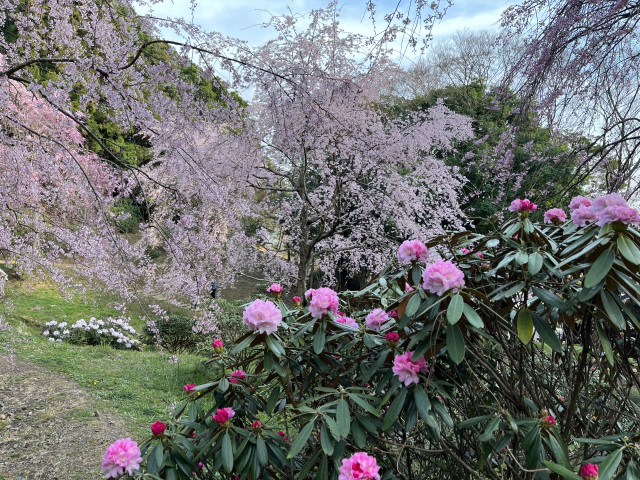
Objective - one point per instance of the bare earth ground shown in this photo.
(50, 427)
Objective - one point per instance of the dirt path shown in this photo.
(50, 428)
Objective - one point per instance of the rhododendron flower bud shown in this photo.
(555, 216)
(256, 425)
(223, 416)
(392, 339)
(283, 435)
(239, 374)
(297, 301)
(189, 387)
(275, 289)
(262, 316)
(121, 456)
(442, 276)
(479, 254)
(359, 466)
(394, 313)
(523, 207)
(407, 369)
(412, 251)
(548, 421)
(543, 413)
(376, 319)
(577, 202)
(589, 472)
(323, 301)
(200, 465)
(158, 428)
(218, 346)
(347, 321)
(233, 380)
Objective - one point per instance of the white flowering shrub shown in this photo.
(116, 332)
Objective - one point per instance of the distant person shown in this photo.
(214, 287)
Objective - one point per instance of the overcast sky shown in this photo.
(243, 18)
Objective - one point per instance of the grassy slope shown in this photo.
(140, 386)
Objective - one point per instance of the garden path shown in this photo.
(50, 428)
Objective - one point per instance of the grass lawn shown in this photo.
(139, 386)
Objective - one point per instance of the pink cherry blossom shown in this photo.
(554, 215)
(407, 369)
(348, 321)
(412, 251)
(223, 415)
(323, 301)
(589, 472)
(376, 319)
(262, 316)
(578, 201)
(442, 276)
(121, 456)
(359, 466)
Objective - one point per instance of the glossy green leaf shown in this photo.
(606, 344)
(261, 452)
(629, 250)
(326, 440)
(454, 310)
(361, 402)
(227, 453)
(423, 404)
(522, 258)
(470, 422)
(610, 465)
(600, 268)
(612, 310)
(223, 386)
(301, 439)
(319, 341)
(547, 333)
(472, 316)
(535, 263)
(560, 470)
(455, 343)
(273, 399)
(549, 298)
(413, 305)
(491, 428)
(244, 344)
(525, 325)
(393, 413)
(343, 418)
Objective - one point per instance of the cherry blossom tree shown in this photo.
(346, 181)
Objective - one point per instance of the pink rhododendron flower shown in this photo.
(577, 202)
(296, 301)
(223, 415)
(392, 338)
(323, 301)
(442, 276)
(555, 215)
(610, 200)
(262, 316)
(121, 456)
(233, 380)
(407, 369)
(158, 428)
(412, 251)
(218, 346)
(309, 293)
(589, 471)
(583, 214)
(348, 321)
(256, 425)
(275, 288)
(189, 387)
(465, 251)
(522, 206)
(408, 288)
(359, 466)
(376, 319)
(394, 313)
(239, 374)
(618, 213)
(548, 421)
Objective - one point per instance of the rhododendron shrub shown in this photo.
(521, 369)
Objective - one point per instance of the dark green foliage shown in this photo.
(173, 333)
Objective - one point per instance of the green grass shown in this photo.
(138, 385)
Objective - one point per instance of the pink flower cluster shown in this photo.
(224, 415)
(589, 472)
(412, 251)
(256, 425)
(237, 375)
(359, 466)
(347, 321)
(189, 387)
(521, 206)
(376, 319)
(323, 301)
(548, 421)
(555, 216)
(610, 208)
(442, 276)
(275, 288)
(407, 369)
(158, 428)
(262, 316)
(466, 251)
(121, 456)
